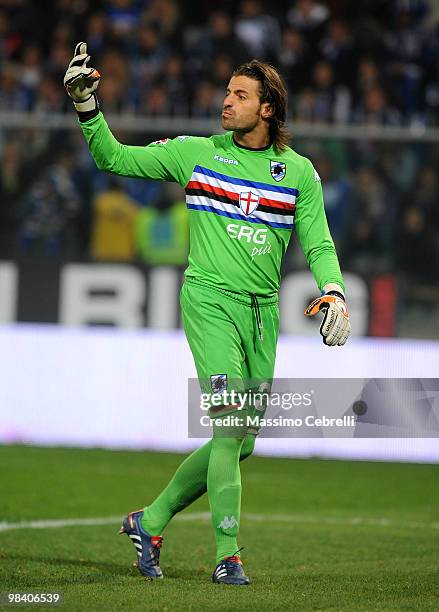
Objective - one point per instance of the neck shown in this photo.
(256, 139)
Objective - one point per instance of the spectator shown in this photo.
(30, 73)
(221, 38)
(374, 109)
(259, 32)
(10, 40)
(332, 101)
(115, 213)
(369, 242)
(13, 96)
(97, 33)
(222, 69)
(59, 58)
(423, 196)
(404, 44)
(162, 232)
(398, 166)
(51, 98)
(368, 77)
(294, 59)
(337, 48)
(417, 251)
(114, 91)
(156, 102)
(150, 56)
(51, 206)
(337, 194)
(430, 101)
(216, 39)
(172, 79)
(205, 102)
(305, 109)
(324, 102)
(13, 185)
(163, 15)
(309, 17)
(64, 34)
(123, 17)
(112, 95)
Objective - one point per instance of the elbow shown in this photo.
(110, 162)
(103, 164)
(322, 250)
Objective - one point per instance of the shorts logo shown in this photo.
(248, 202)
(278, 170)
(218, 382)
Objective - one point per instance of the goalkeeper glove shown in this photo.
(81, 82)
(335, 327)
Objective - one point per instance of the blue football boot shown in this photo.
(147, 546)
(230, 571)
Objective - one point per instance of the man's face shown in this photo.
(242, 109)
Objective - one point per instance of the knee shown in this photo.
(247, 447)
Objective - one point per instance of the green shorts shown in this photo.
(232, 336)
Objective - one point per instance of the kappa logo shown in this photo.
(228, 523)
(248, 202)
(278, 170)
(226, 160)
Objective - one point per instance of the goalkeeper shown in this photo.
(245, 191)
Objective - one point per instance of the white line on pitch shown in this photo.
(248, 516)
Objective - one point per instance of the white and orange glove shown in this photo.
(81, 81)
(335, 327)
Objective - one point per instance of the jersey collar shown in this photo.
(240, 146)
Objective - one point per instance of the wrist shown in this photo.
(87, 109)
(337, 294)
(334, 289)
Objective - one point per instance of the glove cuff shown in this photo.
(337, 294)
(87, 109)
(330, 288)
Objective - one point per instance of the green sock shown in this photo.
(224, 491)
(188, 484)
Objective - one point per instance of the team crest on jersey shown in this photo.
(278, 170)
(218, 382)
(162, 141)
(248, 202)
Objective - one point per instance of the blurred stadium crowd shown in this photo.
(369, 61)
(374, 61)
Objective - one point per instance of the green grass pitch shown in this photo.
(318, 534)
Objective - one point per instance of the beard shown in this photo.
(235, 125)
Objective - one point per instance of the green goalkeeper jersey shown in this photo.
(242, 203)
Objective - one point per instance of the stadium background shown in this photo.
(86, 258)
(91, 350)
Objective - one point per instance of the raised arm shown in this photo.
(154, 161)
